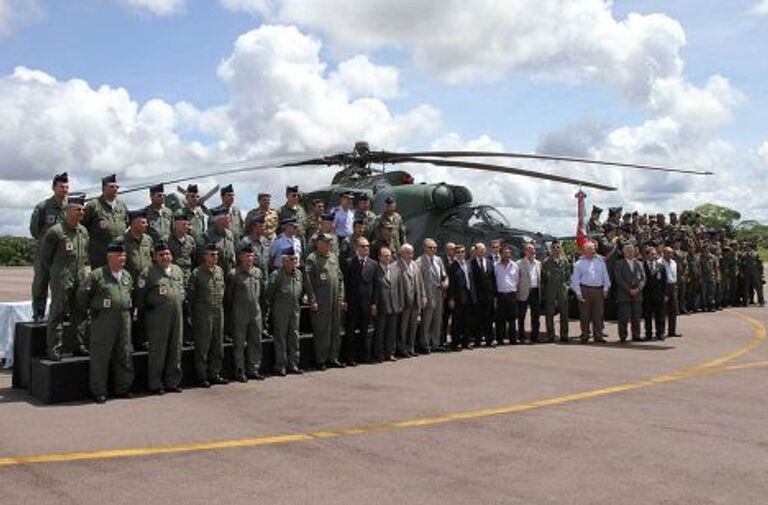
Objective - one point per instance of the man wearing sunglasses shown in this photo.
(106, 219)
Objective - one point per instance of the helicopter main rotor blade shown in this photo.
(489, 154)
(503, 169)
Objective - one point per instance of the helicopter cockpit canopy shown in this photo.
(487, 217)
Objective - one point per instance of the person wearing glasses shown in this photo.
(293, 210)
(555, 279)
(198, 219)
(106, 219)
(435, 280)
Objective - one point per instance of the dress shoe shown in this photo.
(100, 399)
(321, 367)
(158, 392)
(375, 361)
(81, 351)
(280, 372)
(390, 358)
(125, 396)
(241, 378)
(564, 340)
(352, 363)
(336, 364)
(219, 380)
(661, 338)
(255, 376)
(492, 344)
(294, 370)
(54, 356)
(205, 384)
(600, 340)
(175, 389)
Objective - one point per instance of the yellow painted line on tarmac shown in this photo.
(713, 366)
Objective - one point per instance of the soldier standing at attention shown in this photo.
(220, 235)
(138, 250)
(197, 216)
(162, 302)
(206, 297)
(159, 217)
(753, 276)
(555, 278)
(326, 228)
(236, 223)
(325, 290)
(184, 255)
(364, 213)
(244, 295)
(46, 214)
(390, 216)
(64, 258)
(293, 210)
(312, 223)
(269, 214)
(108, 294)
(707, 262)
(106, 219)
(258, 240)
(286, 288)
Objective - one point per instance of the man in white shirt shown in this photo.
(591, 283)
(528, 292)
(671, 306)
(506, 297)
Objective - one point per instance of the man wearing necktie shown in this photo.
(412, 300)
(654, 295)
(461, 299)
(359, 274)
(435, 280)
(484, 280)
(630, 281)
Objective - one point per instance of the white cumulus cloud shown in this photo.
(16, 12)
(156, 7)
(760, 8)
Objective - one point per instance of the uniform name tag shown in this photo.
(69, 247)
(107, 303)
(162, 290)
(103, 224)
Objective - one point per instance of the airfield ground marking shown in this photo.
(713, 366)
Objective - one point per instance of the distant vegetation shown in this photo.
(16, 251)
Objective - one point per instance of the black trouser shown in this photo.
(460, 331)
(534, 303)
(447, 312)
(358, 318)
(672, 309)
(506, 317)
(482, 322)
(653, 310)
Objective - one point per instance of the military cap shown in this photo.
(210, 248)
(110, 179)
(556, 242)
(347, 195)
(181, 215)
(76, 199)
(192, 188)
(359, 221)
(116, 247)
(289, 252)
(161, 246)
(288, 220)
(363, 197)
(245, 249)
(226, 189)
(328, 216)
(291, 189)
(596, 210)
(262, 195)
(389, 200)
(259, 219)
(317, 201)
(219, 211)
(135, 214)
(673, 214)
(62, 177)
(324, 237)
(613, 211)
(157, 188)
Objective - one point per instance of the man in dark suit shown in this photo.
(448, 260)
(630, 281)
(654, 294)
(359, 273)
(461, 299)
(386, 307)
(485, 281)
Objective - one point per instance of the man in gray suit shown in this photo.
(412, 300)
(529, 292)
(386, 307)
(435, 279)
(630, 281)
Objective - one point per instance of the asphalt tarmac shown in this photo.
(678, 422)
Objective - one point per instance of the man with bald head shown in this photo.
(630, 281)
(591, 283)
(359, 277)
(412, 300)
(435, 278)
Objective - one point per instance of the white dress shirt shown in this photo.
(590, 272)
(507, 277)
(671, 267)
(533, 273)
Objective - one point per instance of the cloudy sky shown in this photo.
(146, 87)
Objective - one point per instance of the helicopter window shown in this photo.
(494, 217)
(487, 217)
(476, 219)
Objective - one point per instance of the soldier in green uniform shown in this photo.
(364, 213)
(326, 228)
(390, 216)
(243, 297)
(293, 210)
(222, 236)
(257, 239)
(206, 298)
(286, 288)
(681, 257)
(198, 218)
(184, 255)
(108, 295)
(707, 262)
(46, 214)
(718, 292)
(325, 290)
(159, 217)
(555, 279)
(106, 219)
(730, 271)
(314, 219)
(269, 214)
(161, 300)
(753, 276)
(64, 258)
(694, 279)
(236, 223)
(138, 249)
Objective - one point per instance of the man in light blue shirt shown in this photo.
(344, 217)
(283, 242)
(591, 283)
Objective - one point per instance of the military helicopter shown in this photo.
(441, 211)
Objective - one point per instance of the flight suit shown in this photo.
(398, 229)
(753, 278)
(225, 243)
(138, 253)
(198, 222)
(162, 302)
(184, 251)
(206, 297)
(105, 223)
(271, 221)
(110, 302)
(729, 278)
(46, 214)
(160, 223)
(312, 244)
(285, 291)
(244, 295)
(325, 287)
(555, 279)
(694, 282)
(261, 249)
(64, 256)
(369, 219)
(707, 280)
(311, 226)
(681, 257)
